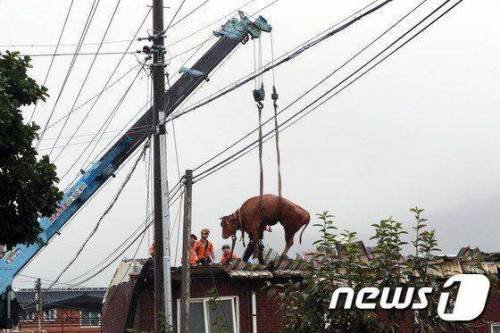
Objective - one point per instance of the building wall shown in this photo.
(115, 308)
(67, 321)
(268, 318)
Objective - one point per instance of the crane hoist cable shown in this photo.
(274, 97)
(259, 95)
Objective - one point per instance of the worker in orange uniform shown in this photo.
(226, 255)
(204, 249)
(193, 258)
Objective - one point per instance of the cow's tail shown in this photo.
(304, 228)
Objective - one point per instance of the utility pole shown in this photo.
(186, 240)
(162, 281)
(38, 303)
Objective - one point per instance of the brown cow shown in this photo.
(274, 209)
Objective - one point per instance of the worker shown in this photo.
(251, 244)
(203, 249)
(226, 255)
(193, 258)
(151, 249)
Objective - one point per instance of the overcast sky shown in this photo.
(421, 129)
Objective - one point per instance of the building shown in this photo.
(241, 304)
(235, 297)
(64, 310)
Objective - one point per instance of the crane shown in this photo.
(231, 34)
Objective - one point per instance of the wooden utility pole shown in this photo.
(162, 282)
(186, 244)
(38, 303)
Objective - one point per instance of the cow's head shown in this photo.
(229, 225)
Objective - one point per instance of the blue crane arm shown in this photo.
(232, 33)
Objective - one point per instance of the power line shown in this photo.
(173, 17)
(65, 54)
(148, 222)
(99, 266)
(105, 213)
(189, 14)
(87, 75)
(345, 23)
(53, 55)
(320, 82)
(209, 24)
(80, 124)
(289, 121)
(105, 124)
(197, 47)
(88, 22)
(93, 97)
(65, 44)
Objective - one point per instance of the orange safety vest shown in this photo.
(203, 251)
(226, 257)
(193, 258)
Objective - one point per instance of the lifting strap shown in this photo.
(259, 95)
(274, 97)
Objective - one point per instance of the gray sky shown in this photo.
(421, 129)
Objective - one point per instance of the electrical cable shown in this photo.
(201, 44)
(82, 85)
(110, 77)
(252, 146)
(106, 211)
(141, 226)
(172, 201)
(189, 14)
(104, 125)
(208, 25)
(284, 57)
(88, 22)
(173, 17)
(67, 54)
(328, 76)
(93, 97)
(61, 33)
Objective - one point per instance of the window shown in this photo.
(89, 318)
(495, 328)
(210, 316)
(29, 316)
(50, 315)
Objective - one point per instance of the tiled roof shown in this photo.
(84, 297)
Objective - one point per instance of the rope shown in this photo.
(277, 141)
(260, 106)
(274, 97)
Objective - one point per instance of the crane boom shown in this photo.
(232, 33)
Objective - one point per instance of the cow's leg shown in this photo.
(289, 240)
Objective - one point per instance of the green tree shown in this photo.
(27, 184)
(304, 305)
